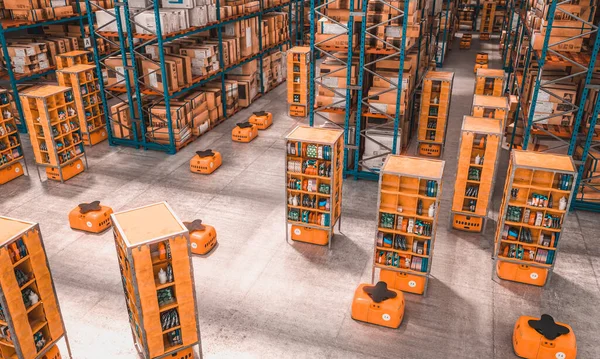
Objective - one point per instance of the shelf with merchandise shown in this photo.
(314, 159)
(409, 196)
(537, 194)
(434, 112)
(157, 278)
(11, 149)
(490, 82)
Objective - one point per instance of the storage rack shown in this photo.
(153, 247)
(19, 26)
(525, 62)
(11, 148)
(435, 110)
(54, 131)
(478, 153)
(72, 58)
(405, 237)
(490, 107)
(445, 36)
(298, 60)
(130, 89)
(467, 15)
(531, 220)
(318, 173)
(489, 82)
(487, 19)
(351, 108)
(34, 326)
(86, 90)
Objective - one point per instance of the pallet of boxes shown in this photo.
(39, 10)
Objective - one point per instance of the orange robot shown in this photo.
(378, 305)
(543, 339)
(203, 237)
(310, 235)
(261, 119)
(244, 132)
(90, 217)
(69, 171)
(481, 61)
(11, 172)
(205, 162)
(182, 354)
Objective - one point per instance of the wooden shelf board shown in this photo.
(482, 125)
(166, 285)
(439, 75)
(30, 309)
(490, 101)
(315, 135)
(521, 224)
(148, 223)
(516, 204)
(21, 260)
(528, 244)
(164, 308)
(171, 329)
(29, 282)
(9, 228)
(38, 325)
(544, 161)
(540, 188)
(309, 209)
(404, 270)
(308, 192)
(395, 231)
(5, 343)
(413, 167)
(308, 176)
(521, 261)
(408, 253)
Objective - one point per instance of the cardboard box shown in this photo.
(339, 41)
(178, 4)
(154, 79)
(573, 45)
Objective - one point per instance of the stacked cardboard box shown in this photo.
(27, 58)
(214, 104)
(274, 29)
(247, 77)
(231, 96)
(181, 118)
(203, 13)
(333, 76)
(38, 10)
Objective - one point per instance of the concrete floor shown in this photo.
(262, 298)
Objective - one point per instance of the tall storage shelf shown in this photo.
(490, 82)
(490, 107)
(410, 190)
(53, 126)
(479, 150)
(537, 195)
(315, 158)
(30, 316)
(11, 150)
(153, 247)
(87, 100)
(433, 116)
(298, 62)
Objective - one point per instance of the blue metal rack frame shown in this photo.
(14, 80)
(444, 15)
(354, 134)
(540, 57)
(134, 88)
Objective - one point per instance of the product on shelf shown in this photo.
(479, 150)
(156, 271)
(54, 129)
(409, 198)
(203, 237)
(378, 305)
(30, 318)
(82, 78)
(537, 194)
(90, 217)
(206, 161)
(11, 150)
(490, 82)
(314, 183)
(434, 112)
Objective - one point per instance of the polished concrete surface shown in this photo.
(259, 297)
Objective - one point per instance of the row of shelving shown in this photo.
(228, 59)
(550, 50)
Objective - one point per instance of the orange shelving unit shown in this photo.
(11, 149)
(298, 61)
(53, 126)
(87, 100)
(479, 150)
(495, 107)
(31, 322)
(433, 116)
(490, 82)
(537, 196)
(153, 247)
(410, 190)
(314, 159)
(72, 58)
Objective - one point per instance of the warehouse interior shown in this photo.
(260, 290)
